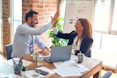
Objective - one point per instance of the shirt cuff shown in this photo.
(55, 30)
(42, 47)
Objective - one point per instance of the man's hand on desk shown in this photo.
(45, 51)
(27, 57)
(32, 66)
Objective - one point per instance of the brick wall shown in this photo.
(26, 6)
(46, 9)
(6, 25)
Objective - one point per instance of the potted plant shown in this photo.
(55, 40)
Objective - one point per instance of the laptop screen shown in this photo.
(62, 53)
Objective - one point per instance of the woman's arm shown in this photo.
(60, 34)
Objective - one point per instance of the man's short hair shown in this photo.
(30, 14)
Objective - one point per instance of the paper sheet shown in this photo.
(68, 71)
(73, 69)
(63, 64)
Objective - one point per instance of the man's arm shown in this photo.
(41, 45)
(32, 31)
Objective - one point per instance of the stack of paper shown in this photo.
(73, 69)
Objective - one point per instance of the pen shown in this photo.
(13, 61)
(20, 61)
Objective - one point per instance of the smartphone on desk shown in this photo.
(42, 72)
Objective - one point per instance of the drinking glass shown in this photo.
(39, 60)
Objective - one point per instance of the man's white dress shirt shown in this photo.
(25, 38)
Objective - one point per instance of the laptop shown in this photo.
(62, 53)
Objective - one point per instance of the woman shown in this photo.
(81, 38)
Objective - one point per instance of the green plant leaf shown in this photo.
(55, 40)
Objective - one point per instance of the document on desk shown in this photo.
(73, 69)
(62, 64)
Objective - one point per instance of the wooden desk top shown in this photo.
(94, 66)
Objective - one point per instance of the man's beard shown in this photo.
(31, 25)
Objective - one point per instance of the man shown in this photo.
(27, 35)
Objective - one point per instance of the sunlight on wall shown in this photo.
(16, 15)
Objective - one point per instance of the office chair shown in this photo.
(8, 48)
(107, 74)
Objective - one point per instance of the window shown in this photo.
(101, 15)
(104, 25)
(104, 22)
(105, 16)
(105, 31)
(114, 20)
(16, 15)
(105, 28)
(62, 8)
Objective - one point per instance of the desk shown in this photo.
(94, 66)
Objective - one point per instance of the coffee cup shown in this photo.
(81, 57)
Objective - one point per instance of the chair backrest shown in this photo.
(107, 74)
(8, 48)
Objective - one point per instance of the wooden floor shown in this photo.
(3, 59)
